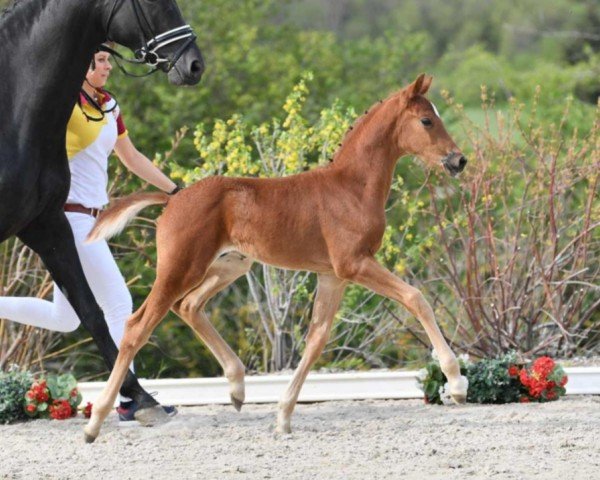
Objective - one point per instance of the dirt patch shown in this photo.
(338, 440)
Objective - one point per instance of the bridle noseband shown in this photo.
(148, 53)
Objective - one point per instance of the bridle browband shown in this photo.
(148, 53)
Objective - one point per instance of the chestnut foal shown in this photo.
(329, 220)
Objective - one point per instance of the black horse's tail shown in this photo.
(114, 219)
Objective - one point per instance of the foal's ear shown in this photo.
(420, 86)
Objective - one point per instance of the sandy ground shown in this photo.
(334, 440)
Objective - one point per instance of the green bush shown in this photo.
(504, 379)
(13, 386)
(490, 382)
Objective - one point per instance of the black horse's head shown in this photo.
(157, 33)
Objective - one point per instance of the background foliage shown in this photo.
(508, 255)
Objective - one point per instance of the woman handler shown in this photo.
(95, 129)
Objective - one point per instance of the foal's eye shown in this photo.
(426, 122)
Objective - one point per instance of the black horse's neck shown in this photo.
(47, 46)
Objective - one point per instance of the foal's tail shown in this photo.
(114, 219)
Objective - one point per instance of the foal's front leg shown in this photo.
(330, 291)
(369, 273)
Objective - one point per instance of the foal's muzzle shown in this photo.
(454, 163)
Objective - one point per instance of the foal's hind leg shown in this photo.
(369, 273)
(221, 273)
(330, 291)
(177, 274)
(139, 327)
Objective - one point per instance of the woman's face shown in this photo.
(98, 77)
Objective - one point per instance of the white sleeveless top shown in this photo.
(89, 145)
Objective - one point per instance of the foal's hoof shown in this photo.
(88, 436)
(284, 427)
(237, 404)
(458, 391)
(151, 416)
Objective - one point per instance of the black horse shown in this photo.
(47, 45)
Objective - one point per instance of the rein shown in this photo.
(148, 53)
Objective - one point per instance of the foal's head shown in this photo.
(156, 31)
(420, 130)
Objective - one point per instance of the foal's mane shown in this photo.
(360, 121)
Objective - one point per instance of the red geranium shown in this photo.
(39, 392)
(60, 409)
(56, 396)
(544, 380)
(87, 410)
(543, 366)
(513, 371)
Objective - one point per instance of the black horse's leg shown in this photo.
(50, 236)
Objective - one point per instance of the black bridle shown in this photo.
(148, 53)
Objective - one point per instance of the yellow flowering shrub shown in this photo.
(281, 146)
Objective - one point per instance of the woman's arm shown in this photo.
(139, 164)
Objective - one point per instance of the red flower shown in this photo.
(42, 396)
(39, 392)
(551, 395)
(74, 392)
(87, 411)
(513, 371)
(524, 400)
(31, 408)
(60, 409)
(524, 377)
(543, 366)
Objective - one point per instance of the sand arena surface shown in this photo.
(339, 440)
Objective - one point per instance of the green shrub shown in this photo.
(13, 386)
(490, 381)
